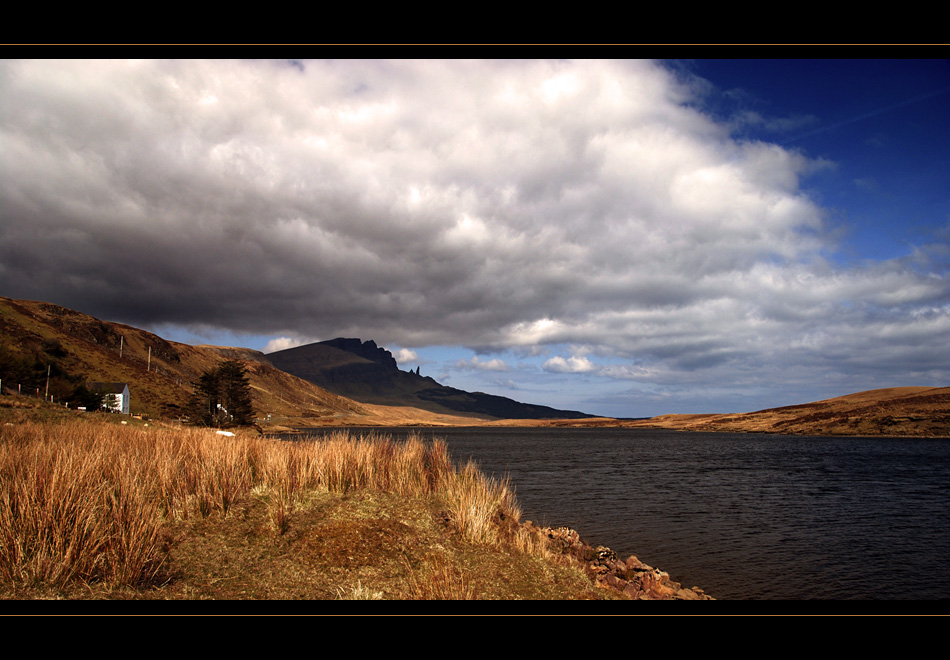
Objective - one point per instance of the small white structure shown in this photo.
(116, 396)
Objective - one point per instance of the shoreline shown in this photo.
(631, 577)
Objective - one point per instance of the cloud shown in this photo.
(495, 364)
(498, 205)
(506, 384)
(283, 343)
(572, 365)
(779, 125)
(405, 355)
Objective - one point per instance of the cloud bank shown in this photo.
(495, 205)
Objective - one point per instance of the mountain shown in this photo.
(369, 374)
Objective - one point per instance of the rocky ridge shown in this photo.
(362, 371)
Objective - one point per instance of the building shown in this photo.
(116, 396)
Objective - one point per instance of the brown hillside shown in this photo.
(88, 349)
(160, 382)
(894, 411)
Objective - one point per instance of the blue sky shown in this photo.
(880, 124)
(626, 238)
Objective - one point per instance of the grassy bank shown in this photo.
(103, 510)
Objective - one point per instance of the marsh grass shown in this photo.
(359, 592)
(93, 502)
(440, 579)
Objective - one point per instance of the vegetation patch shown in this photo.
(110, 511)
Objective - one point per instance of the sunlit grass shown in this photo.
(440, 580)
(92, 502)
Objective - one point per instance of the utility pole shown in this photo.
(149, 359)
(121, 342)
(46, 394)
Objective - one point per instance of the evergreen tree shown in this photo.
(203, 407)
(89, 399)
(235, 392)
(222, 397)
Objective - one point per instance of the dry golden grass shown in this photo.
(93, 503)
(440, 580)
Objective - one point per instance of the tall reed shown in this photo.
(89, 501)
(69, 511)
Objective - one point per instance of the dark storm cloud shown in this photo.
(498, 205)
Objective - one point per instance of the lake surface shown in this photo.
(742, 516)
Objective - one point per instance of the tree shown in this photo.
(236, 393)
(89, 399)
(203, 407)
(222, 397)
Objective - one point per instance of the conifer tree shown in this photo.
(235, 392)
(222, 397)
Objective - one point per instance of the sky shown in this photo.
(625, 238)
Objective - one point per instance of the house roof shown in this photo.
(109, 388)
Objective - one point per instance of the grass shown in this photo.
(102, 510)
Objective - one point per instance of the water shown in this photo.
(743, 516)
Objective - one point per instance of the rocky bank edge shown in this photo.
(632, 577)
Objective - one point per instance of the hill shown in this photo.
(369, 374)
(38, 338)
(894, 411)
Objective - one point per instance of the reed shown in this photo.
(68, 511)
(439, 579)
(482, 507)
(90, 502)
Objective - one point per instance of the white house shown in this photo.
(116, 396)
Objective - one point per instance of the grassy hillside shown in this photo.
(36, 337)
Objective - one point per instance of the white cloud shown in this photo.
(574, 364)
(405, 355)
(495, 364)
(283, 343)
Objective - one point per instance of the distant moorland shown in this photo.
(893, 411)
